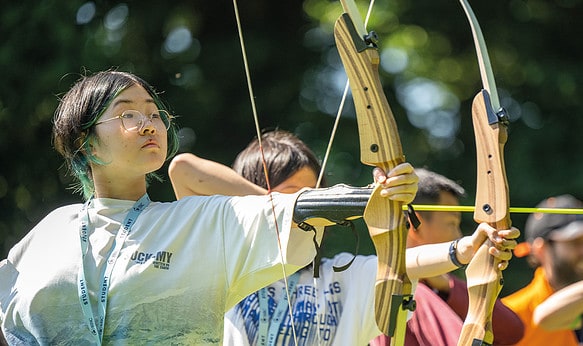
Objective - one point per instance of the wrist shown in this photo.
(453, 253)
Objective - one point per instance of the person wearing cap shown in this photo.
(554, 244)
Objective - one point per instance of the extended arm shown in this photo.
(339, 203)
(433, 259)
(562, 310)
(192, 175)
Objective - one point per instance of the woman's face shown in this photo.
(135, 151)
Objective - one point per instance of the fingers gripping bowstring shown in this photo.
(265, 171)
(340, 109)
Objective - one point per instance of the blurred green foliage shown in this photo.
(190, 51)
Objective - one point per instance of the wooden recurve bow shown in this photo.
(380, 146)
(492, 198)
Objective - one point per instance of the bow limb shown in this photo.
(492, 197)
(380, 146)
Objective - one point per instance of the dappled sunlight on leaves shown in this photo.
(189, 51)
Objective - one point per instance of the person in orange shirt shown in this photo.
(554, 244)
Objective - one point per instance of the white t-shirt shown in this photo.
(182, 266)
(335, 309)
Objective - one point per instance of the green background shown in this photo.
(190, 51)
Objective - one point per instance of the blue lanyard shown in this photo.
(268, 332)
(96, 327)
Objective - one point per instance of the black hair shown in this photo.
(284, 155)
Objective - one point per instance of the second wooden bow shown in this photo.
(492, 196)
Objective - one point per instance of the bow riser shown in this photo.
(483, 276)
(380, 146)
(492, 201)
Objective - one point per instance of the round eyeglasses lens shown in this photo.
(134, 120)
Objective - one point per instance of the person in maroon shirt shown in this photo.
(442, 302)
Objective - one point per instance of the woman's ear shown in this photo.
(85, 143)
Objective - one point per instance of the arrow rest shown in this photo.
(371, 39)
(500, 116)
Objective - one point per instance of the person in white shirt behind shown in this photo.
(338, 307)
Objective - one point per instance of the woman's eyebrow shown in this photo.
(128, 101)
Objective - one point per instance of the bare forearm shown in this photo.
(192, 175)
(562, 310)
(432, 260)
(428, 260)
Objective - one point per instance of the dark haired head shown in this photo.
(78, 111)
(431, 185)
(284, 154)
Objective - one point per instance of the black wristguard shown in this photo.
(336, 204)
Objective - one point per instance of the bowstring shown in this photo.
(265, 171)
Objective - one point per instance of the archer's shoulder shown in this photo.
(59, 217)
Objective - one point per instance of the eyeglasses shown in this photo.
(133, 120)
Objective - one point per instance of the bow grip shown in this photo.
(491, 132)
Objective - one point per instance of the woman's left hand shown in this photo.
(399, 184)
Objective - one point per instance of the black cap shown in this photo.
(560, 227)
